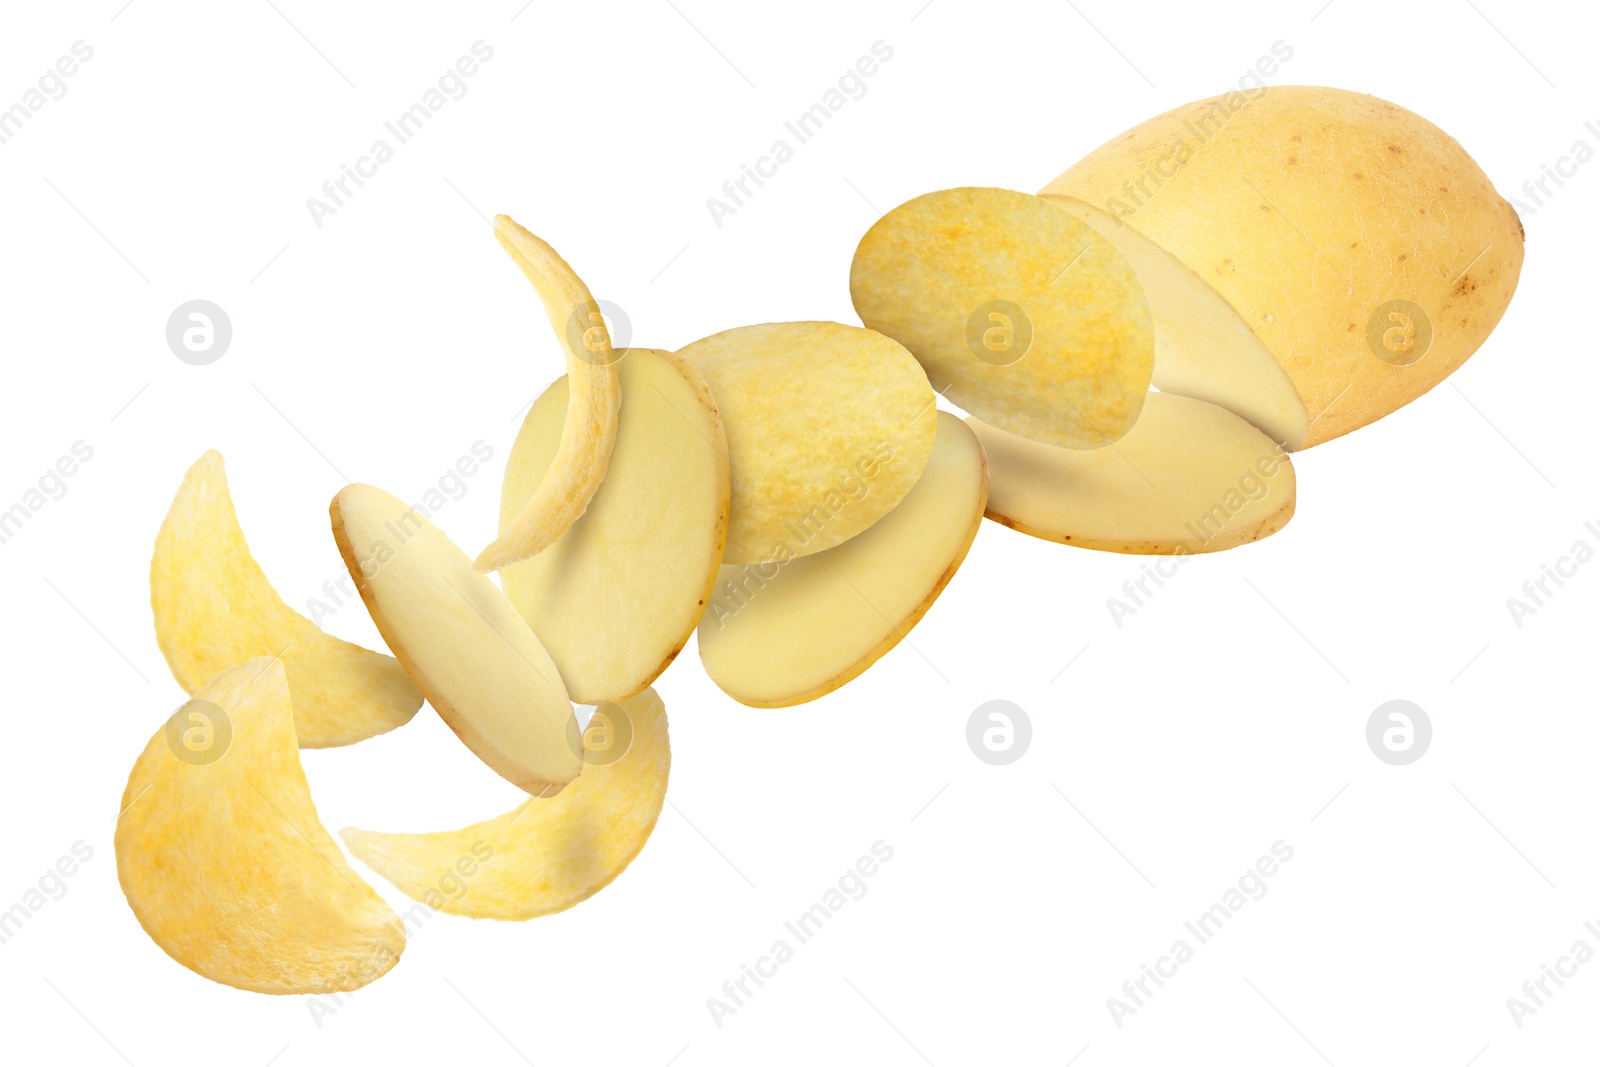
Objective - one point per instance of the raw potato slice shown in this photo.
(223, 860)
(1018, 311)
(828, 428)
(460, 639)
(1189, 477)
(782, 634)
(214, 608)
(594, 398)
(547, 855)
(615, 599)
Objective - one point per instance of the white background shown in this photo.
(1226, 715)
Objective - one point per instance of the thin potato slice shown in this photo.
(616, 598)
(223, 860)
(215, 608)
(1018, 311)
(595, 396)
(460, 639)
(828, 428)
(782, 634)
(547, 855)
(1189, 477)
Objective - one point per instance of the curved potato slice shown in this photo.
(828, 428)
(782, 634)
(214, 608)
(595, 396)
(616, 598)
(1189, 477)
(460, 639)
(223, 860)
(547, 855)
(1020, 312)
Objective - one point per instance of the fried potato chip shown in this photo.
(459, 638)
(1019, 312)
(548, 854)
(594, 396)
(828, 428)
(215, 608)
(616, 598)
(782, 634)
(223, 860)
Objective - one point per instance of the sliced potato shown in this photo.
(1189, 477)
(828, 428)
(214, 608)
(1018, 311)
(223, 860)
(778, 634)
(548, 854)
(594, 396)
(616, 598)
(460, 639)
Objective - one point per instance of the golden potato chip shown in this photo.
(215, 608)
(223, 860)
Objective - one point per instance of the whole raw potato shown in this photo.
(1352, 253)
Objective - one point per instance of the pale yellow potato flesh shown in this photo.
(781, 634)
(616, 598)
(828, 428)
(459, 638)
(1020, 313)
(594, 398)
(1315, 216)
(1189, 477)
(549, 853)
(214, 608)
(225, 863)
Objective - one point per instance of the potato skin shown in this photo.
(1309, 210)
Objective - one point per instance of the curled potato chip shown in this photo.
(223, 860)
(548, 854)
(594, 397)
(1019, 312)
(828, 428)
(214, 608)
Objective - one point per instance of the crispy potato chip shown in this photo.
(828, 428)
(548, 854)
(616, 598)
(782, 634)
(1019, 312)
(222, 858)
(459, 638)
(215, 608)
(594, 397)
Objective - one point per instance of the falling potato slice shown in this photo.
(460, 639)
(1189, 477)
(615, 599)
(828, 428)
(1018, 311)
(594, 396)
(548, 854)
(214, 608)
(782, 634)
(222, 858)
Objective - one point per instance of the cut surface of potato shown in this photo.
(1189, 477)
(549, 853)
(593, 398)
(1020, 312)
(462, 642)
(214, 608)
(223, 860)
(615, 599)
(782, 634)
(828, 428)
